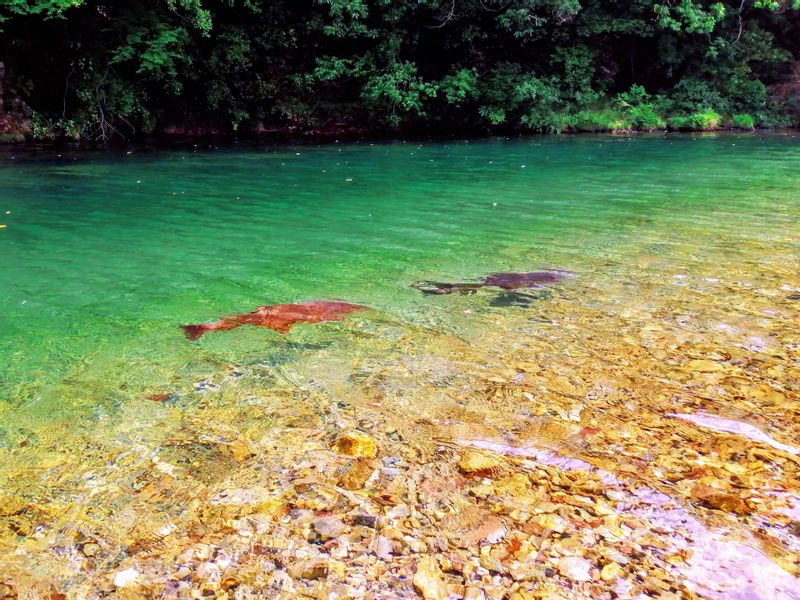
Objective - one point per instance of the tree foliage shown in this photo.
(117, 69)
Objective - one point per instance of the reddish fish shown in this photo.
(281, 317)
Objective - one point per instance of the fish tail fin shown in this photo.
(194, 332)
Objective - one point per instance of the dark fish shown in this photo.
(515, 281)
(281, 317)
(506, 281)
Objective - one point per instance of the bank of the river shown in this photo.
(630, 430)
(15, 132)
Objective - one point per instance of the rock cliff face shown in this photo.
(15, 124)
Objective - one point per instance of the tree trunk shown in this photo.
(2, 92)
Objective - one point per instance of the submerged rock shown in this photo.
(610, 572)
(575, 568)
(315, 568)
(428, 580)
(125, 577)
(328, 527)
(357, 475)
(356, 444)
(473, 462)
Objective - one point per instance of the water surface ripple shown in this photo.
(640, 420)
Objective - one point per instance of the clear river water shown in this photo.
(665, 368)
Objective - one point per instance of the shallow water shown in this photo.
(680, 322)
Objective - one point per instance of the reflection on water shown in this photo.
(632, 430)
(739, 569)
(735, 427)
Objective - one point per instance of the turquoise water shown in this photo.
(666, 367)
(106, 253)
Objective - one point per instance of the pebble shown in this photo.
(365, 521)
(428, 580)
(328, 528)
(315, 568)
(358, 475)
(473, 462)
(399, 512)
(575, 568)
(473, 593)
(90, 549)
(123, 578)
(383, 548)
(356, 444)
(610, 572)
(704, 366)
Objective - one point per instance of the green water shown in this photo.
(669, 361)
(106, 253)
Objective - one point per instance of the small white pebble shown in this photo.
(125, 577)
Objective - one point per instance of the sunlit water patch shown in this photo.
(637, 422)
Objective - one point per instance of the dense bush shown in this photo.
(743, 121)
(101, 70)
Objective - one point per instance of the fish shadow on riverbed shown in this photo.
(520, 299)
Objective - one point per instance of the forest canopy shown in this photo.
(100, 70)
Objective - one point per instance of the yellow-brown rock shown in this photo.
(473, 462)
(357, 475)
(610, 572)
(428, 580)
(357, 444)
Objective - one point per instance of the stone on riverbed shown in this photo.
(356, 444)
(358, 474)
(575, 568)
(315, 568)
(473, 462)
(428, 580)
(328, 528)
